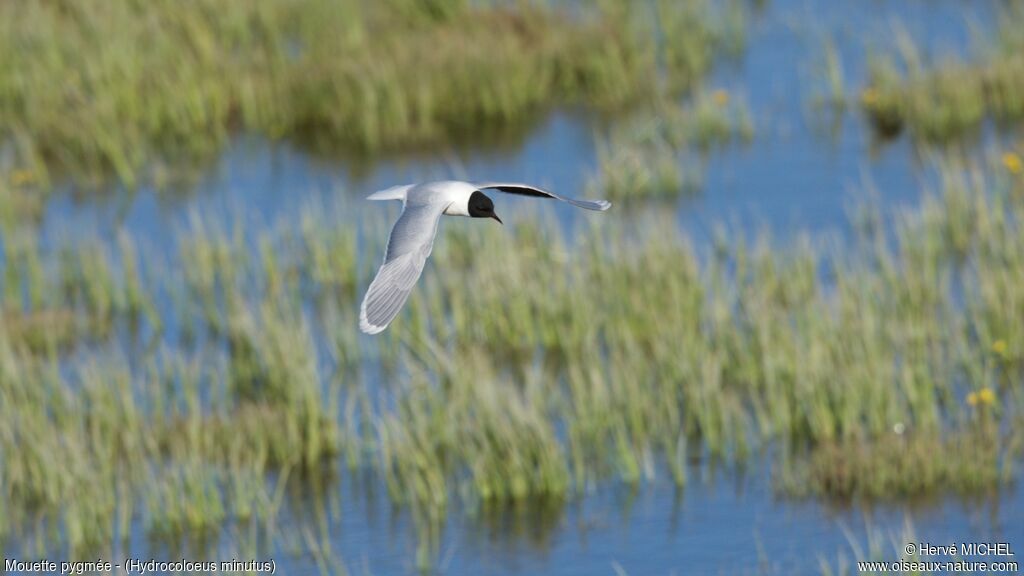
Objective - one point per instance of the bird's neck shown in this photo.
(459, 205)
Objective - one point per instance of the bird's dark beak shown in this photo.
(495, 216)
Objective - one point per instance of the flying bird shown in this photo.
(412, 237)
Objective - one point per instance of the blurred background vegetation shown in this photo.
(205, 395)
(97, 87)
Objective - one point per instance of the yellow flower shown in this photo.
(22, 176)
(986, 396)
(869, 97)
(721, 97)
(999, 347)
(1013, 162)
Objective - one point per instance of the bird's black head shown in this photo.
(480, 206)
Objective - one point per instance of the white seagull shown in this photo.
(412, 237)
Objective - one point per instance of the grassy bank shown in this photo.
(617, 355)
(128, 88)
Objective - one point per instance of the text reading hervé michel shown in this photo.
(137, 566)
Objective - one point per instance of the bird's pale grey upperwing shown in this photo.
(409, 246)
(412, 238)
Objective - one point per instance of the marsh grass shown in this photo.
(658, 154)
(614, 353)
(896, 467)
(940, 100)
(168, 87)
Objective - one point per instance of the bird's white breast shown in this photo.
(458, 208)
(454, 194)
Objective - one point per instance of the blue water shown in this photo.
(804, 169)
(722, 524)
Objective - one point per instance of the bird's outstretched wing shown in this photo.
(526, 190)
(393, 193)
(409, 245)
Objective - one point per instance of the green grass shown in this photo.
(616, 354)
(901, 467)
(940, 100)
(129, 88)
